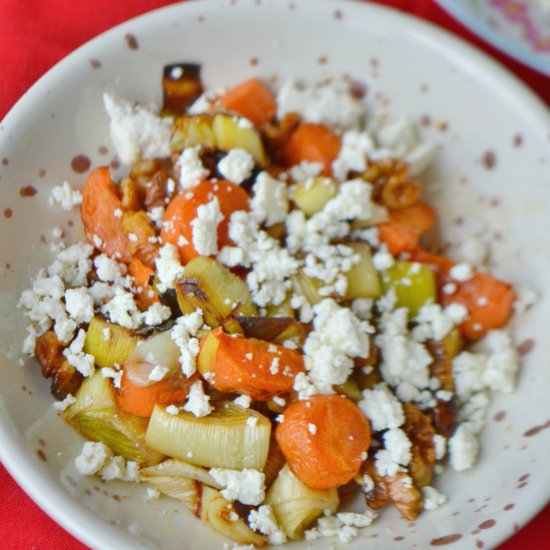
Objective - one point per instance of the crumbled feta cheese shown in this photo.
(152, 493)
(382, 260)
(158, 372)
(136, 132)
(243, 401)
(263, 520)
(382, 408)
(123, 310)
(66, 196)
(79, 304)
(182, 333)
(247, 485)
(344, 525)
(172, 409)
(156, 314)
(192, 170)
(269, 202)
(440, 446)
(386, 465)
(251, 421)
(461, 272)
(463, 448)
(116, 375)
(433, 499)
(198, 402)
(356, 147)
(63, 405)
(169, 267)
(92, 458)
(108, 270)
(73, 264)
(312, 428)
(398, 445)
(236, 166)
(205, 227)
(502, 363)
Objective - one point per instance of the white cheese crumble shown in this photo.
(243, 401)
(461, 272)
(198, 403)
(79, 304)
(123, 310)
(115, 375)
(192, 170)
(269, 202)
(236, 166)
(356, 147)
(183, 334)
(136, 132)
(92, 458)
(205, 228)
(156, 314)
(169, 267)
(66, 196)
(247, 485)
(263, 520)
(158, 372)
(382, 408)
(344, 525)
(65, 404)
(398, 445)
(463, 448)
(433, 499)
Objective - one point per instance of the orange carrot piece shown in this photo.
(252, 367)
(141, 400)
(142, 274)
(489, 302)
(182, 210)
(324, 439)
(402, 232)
(253, 100)
(100, 200)
(312, 143)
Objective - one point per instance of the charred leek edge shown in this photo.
(307, 287)
(189, 131)
(231, 134)
(295, 505)
(175, 468)
(413, 284)
(311, 195)
(111, 351)
(211, 287)
(223, 439)
(362, 278)
(206, 503)
(96, 416)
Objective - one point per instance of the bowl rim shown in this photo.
(44, 490)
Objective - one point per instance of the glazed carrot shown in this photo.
(99, 204)
(259, 369)
(182, 210)
(488, 300)
(324, 439)
(141, 400)
(251, 99)
(406, 226)
(312, 143)
(142, 274)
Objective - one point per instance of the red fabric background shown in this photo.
(36, 34)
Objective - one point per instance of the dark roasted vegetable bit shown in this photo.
(181, 85)
(65, 379)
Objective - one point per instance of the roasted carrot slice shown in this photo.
(402, 232)
(312, 143)
(101, 212)
(182, 210)
(251, 99)
(324, 439)
(259, 369)
(142, 274)
(489, 302)
(141, 400)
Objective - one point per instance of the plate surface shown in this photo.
(519, 28)
(490, 175)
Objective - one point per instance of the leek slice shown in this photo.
(362, 278)
(311, 195)
(96, 416)
(226, 438)
(110, 344)
(174, 467)
(295, 505)
(413, 284)
(209, 286)
(190, 131)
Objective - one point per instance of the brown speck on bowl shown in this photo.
(131, 40)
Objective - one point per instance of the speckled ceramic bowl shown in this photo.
(492, 167)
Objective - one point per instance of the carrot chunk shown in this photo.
(248, 366)
(324, 439)
(141, 400)
(142, 274)
(402, 232)
(177, 228)
(253, 100)
(100, 203)
(312, 143)
(489, 302)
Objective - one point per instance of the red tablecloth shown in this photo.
(36, 34)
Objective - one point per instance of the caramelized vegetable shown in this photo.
(362, 278)
(311, 195)
(191, 130)
(181, 85)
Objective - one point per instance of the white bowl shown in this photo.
(469, 106)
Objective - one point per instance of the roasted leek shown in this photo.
(226, 438)
(190, 131)
(311, 195)
(209, 286)
(362, 278)
(295, 505)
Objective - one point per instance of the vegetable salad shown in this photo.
(256, 326)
